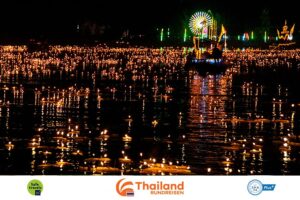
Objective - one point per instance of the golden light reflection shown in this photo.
(88, 104)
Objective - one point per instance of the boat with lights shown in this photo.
(206, 56)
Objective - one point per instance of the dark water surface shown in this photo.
(81, 122)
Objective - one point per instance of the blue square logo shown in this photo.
(38, 193)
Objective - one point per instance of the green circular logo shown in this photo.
(35, 187)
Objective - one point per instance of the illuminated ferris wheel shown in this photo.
(200, 23)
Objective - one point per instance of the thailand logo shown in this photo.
(255, 187)
(35, 187)
(124, 189)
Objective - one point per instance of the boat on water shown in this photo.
(206, 60)
(206, 66)
(206, 56)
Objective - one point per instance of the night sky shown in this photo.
(61, 16)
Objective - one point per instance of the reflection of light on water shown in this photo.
(204, 123)
(9, 146)
(127, 138)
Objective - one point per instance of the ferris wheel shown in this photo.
(199, 22)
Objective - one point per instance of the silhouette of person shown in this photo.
(216, 54)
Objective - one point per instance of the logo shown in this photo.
(35, 187)
(255, 187)
(127, 188)
(124, 189)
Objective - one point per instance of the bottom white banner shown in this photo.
(148, 187)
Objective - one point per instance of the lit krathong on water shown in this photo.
(102, 110)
